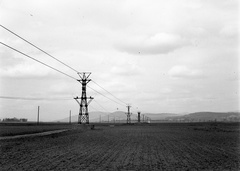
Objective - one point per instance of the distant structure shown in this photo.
(23, 120)
(83, 112)
(148, 120)
(128, 115)
(14, 120)
(139, 117)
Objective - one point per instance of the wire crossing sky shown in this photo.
(158, 56)
(57, 71)
(32, 98)
(37, 60)
(38, 48)
(56, 60)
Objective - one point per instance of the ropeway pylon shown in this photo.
(83, 116)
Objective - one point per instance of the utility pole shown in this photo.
(128, 115)
(38, 115)
(139, 117)
(83, 116)
(70, 117)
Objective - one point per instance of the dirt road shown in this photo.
(31, 135)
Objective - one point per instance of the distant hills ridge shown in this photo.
(121, 116)
(208, 116)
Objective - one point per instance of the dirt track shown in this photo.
(158, 147)
(31, 135)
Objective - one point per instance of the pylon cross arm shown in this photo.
(91, 98)
(84, 75)
(77, 100)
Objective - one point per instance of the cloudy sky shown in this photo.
(159, 56)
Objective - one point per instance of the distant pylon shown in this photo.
(128, 115)
(83, 116)
(139, 117)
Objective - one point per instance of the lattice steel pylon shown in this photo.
(128, 115)
(139, 117)
(83, 116)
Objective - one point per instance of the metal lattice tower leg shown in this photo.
(83, 112)
(128, 115)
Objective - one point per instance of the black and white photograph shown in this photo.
(121, 85)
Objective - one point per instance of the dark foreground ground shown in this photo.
(176, 146)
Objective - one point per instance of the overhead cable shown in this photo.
(31, 98)
(109, 92)
(102, 106)
(56, 60)
(37, 60)
(38, 48)
(105, 96)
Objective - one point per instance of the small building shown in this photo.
(23, 120)
(14, 120)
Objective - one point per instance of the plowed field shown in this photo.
(197, 146)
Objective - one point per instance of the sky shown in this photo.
(157, 56)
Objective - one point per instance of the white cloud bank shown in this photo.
(159, 43)
(161, 56)
(184, 72)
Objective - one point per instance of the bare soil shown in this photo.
(12, 129)
(179, 146)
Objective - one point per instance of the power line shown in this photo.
(56, 70)
(56, 60)
(31, 98)
(97, 110)
(101, 106)
(38, 48)
(105, 96)
(37, 60)
(109, 92)
(94, 108)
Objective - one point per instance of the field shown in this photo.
(166, 146)
(11, 129)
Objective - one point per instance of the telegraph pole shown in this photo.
(38, 115)
(70, 117)
(139, 117)
(128, 115)
(83, 116)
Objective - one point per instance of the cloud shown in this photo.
(104, 38)
(7, 59)
(15, 66)
(184, 72)
(24, 70)
(230, 31)
(126, 70)
(159, 43)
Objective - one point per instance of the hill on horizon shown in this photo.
(95, 116)
(160, 116)
(117, 115)
(208, 116)
(121, 116)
